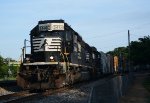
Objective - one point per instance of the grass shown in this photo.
(9, 78)
(146, 85)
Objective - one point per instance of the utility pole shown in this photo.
(25, 46)
(24, 50)
(129, 50)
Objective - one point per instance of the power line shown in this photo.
(118, 32)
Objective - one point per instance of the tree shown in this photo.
(140, 51)
(1, 60)
(3, 66)
(119, 51)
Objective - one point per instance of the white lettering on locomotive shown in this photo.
(51, 26)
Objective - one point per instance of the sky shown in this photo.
(101, 23)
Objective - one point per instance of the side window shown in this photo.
(75, 38)
(79, 55)
(75, 47)
(75, 43)
(87, 56)
(68, 36)
(79, 47)
(99, 56)
(93, 56)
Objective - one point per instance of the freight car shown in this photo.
(59, 56)
(121, 64)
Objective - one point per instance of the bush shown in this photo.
(146, 83)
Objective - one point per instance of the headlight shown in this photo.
(51, 58)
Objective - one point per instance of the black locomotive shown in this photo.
(59, 56)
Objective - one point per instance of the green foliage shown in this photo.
(140, 51)
(1, 61)
(146, 83)
(119, 51)
(14, 70)
(3, 70)
(4, 67)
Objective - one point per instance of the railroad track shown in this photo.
(25, 96)
(14, 96)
